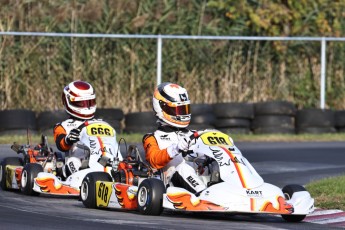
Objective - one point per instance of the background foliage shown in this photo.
(33, 70)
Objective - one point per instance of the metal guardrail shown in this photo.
(160, 38)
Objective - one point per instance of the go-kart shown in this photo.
(233, 186)
(14, 170)
(97, 144)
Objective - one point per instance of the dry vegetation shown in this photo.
(33, 70)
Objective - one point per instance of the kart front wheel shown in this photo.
(16, 161)
(88, 188)
(150, 197)
(27, 181)
(288, 191)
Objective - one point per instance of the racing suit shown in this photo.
(62, 129)
(76, 152)
(175, 170)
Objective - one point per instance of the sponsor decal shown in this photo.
(183, 97)
(192, 181)
(93, 146)
(236, 160)
(254, 193)
(219, 158)
(165, 137)
(71, 166)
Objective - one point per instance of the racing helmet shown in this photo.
(172, 105)
(79, 100)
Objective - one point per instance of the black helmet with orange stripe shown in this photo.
(172, 105)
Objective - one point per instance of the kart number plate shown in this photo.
(103, 193)
(100, 130)
(216, 138)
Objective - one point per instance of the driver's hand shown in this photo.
(72, 137)
(183, 144)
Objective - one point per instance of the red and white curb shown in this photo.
(335, 217)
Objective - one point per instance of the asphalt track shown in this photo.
(277, 163)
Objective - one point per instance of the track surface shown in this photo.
(278, 163)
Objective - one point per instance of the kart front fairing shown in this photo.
(241, 188)
(234, 168)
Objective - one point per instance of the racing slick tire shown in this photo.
(88, 188)
(29, 173)
(3, 175)
(288, 191)
(150, 197)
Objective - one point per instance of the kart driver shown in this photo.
(79, 101)
(163, 147)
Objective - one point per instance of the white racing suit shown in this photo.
(97, 138)
(158, 147)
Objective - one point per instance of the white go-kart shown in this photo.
(233, 185)
(97, 151)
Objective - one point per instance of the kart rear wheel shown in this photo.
(29, 173)
(16, 161)
(150, 197)
(88, 188)
(288, 191)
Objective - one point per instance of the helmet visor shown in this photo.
(175, 110)
(83, 104)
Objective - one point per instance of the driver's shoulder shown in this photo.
(98, 121)
(70, 122)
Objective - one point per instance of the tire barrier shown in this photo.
(17, 122)
(202, 117)
(113, 116)
(233, 118)
(48, 119)
(275, 108)
(339, 117)
(273, 117)
(140, 122)
(315, 121)
(233, 110)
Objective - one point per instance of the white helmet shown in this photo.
(171, 104)
(79, 100)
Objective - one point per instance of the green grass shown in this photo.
(137, 138)
(329, 192)
(35, 139)
(290, 138)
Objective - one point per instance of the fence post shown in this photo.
(323, 73)
(159, 59)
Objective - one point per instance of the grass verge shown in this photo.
(137, 138)
(329, 192)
